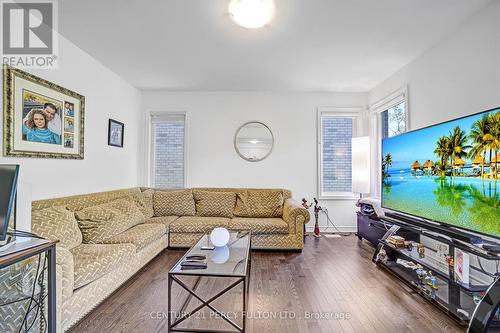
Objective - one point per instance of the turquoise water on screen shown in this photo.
(467, 202)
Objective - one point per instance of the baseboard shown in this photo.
(330, 229)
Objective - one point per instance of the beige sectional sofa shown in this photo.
(104, 238)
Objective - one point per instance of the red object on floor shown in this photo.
(316, 230)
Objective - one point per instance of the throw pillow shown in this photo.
(176, 203)
(144, 201)
(57, 223)
(259, 203)
(217, 204)
(106, 220)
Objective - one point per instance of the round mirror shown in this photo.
(253, 141)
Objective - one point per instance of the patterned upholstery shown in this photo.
(290, 241)
(106, 220)
(13, 315)
(16, 284)
(287, 194)
(177, 202)
(140, 235)
(165, 220)
(92, 261)
(57, 223)
(183, 240)
(260, 225)
(88, 297)
(296, 215)
(259, 203)
(210, 204)
(144, 201)
(65, 274)
(73, 304)
(269, 241)
(75, 301)
(197, 224)
(17, 279)
(79, 202)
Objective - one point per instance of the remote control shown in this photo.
(196, 257)
(193, 265)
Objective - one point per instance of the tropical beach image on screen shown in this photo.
(447, 173)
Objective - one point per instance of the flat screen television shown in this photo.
(447, 173)
(8, 188)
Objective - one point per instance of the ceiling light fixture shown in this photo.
(251, 14)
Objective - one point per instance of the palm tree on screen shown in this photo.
(458, 144)
(386, 163)
(442, 150)
(494, 127)
(480, 145)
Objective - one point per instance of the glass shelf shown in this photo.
(407, 274)
(436, 264)
(457, 299)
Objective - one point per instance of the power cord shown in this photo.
(21, 233)
(325, 211)
(39, 304)
(497, 267)
(25, 319)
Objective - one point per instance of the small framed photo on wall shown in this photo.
(115, 133)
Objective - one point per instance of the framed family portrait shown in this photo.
(41, 119)
(115, 133)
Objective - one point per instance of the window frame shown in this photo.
(150, 140)
(356, 113)
(376, 109)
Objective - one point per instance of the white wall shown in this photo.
(213, 118)
(459, 76)
(104, 167)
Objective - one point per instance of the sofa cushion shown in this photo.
(260, 225)
(259, 203)
(57, 223)
(91, 261)
(198, 224)
(176, 202)
(165, 220)
(104, 221)
(210, 204)
(144, 201)
(140, 235)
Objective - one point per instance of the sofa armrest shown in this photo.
(296, 215)
(65, 276)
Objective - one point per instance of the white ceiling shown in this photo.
(311, 45)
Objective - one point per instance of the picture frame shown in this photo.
(41, 118)
(116, 131)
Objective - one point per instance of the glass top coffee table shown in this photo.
(231, 262)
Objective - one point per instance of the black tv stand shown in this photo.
(493, 249)
(438, 228)
(456, 298)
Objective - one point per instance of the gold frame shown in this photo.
(8, 117)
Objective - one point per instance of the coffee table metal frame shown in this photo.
(241, 278)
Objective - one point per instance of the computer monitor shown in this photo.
(8, 189)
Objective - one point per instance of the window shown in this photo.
(389, 117)
(336, 129)
(168, 153)
(393, 120)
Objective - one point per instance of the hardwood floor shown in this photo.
(332, 277)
